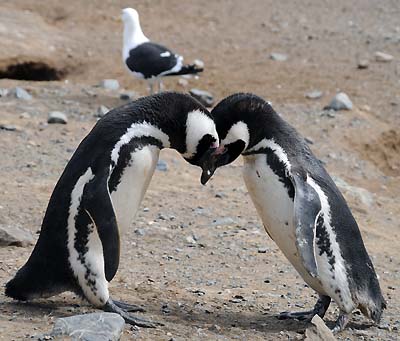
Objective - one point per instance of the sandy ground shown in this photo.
(192, 256)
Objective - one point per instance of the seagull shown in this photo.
(147, 60)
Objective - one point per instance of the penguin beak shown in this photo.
(209, 162)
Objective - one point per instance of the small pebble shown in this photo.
(57, 117)
(280, 57)
(110, 84)
(383, 57)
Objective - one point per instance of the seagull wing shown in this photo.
(152, 60)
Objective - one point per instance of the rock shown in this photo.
(223, 221)
(183, 82)
(340, 102)
(101, 111)
(127, 96)
(315, 94)
(15, 236)
(199, 63)
(318, 331)
(363, 64)
(3, 92)
(21, 94)
(360, 194)
(262, 250)
(8, 127)
(383, 57)
(90, 327)
(110, 84)
(57, 117)
(204, 97)
(25, 115)
(280, 57)
(162, 166)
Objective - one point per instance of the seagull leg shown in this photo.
(160, 85)
(319, 309)
(151, 86)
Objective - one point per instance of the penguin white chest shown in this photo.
(275, 208)
(135, 179)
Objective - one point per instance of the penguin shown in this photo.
(99, 192)
(147, 60)
(300, 206)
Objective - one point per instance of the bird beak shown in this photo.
(209, 162)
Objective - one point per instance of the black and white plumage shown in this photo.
(148, 60)
(99, 192)
(302, 209)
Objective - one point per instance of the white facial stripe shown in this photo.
(239, 131)
(93, 258)
(139, 130)
(276, 148)
(198, 124)
(324, 268)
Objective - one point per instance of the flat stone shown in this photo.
(3, 92)
(15, 236)
(279, 57)
(90, 327)
(223, 221)
(315, 94)
(101, 111)
(383, 57)
(110, 84)
(57, 117)
(8, 127)
(22, 94)
(262, 250)
(318, 331)
(340, 102)
(204, 97)
(162, 166)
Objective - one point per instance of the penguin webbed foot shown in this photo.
(297, 315)
(319, 309)
(341, 322)
(129, 307)
(112, 307)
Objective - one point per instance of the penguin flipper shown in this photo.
(97, 203)
(307, 207)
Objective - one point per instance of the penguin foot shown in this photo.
(341, 322)
(319, 309)
(298, 315)
(111, 307)
(129, 307)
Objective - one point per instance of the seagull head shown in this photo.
(130, 15)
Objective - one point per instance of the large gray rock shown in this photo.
(90, 327)
(204, 97)
(318, 331)
(15, 236)
(340, 102)
(57, 117)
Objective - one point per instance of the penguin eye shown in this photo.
(205, 143)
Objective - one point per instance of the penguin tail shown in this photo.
(187, 70)
(35, 281)
(18, 287)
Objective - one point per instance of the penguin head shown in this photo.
(201, 139)
(235, 116)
